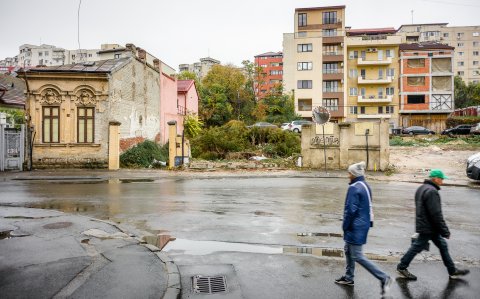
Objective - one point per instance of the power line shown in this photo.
(451, 3)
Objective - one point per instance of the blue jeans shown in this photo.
(419, 244)
(353, 253)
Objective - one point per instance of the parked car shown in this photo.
(263, 124)
(475, 129)
(284, 126)
(458, 130)
(296, 125)
(473, 167)
(417, 130)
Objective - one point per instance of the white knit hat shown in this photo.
(357, 169)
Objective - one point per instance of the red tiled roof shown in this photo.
(371, 31)
(184, 85)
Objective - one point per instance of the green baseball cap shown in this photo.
(437, 173)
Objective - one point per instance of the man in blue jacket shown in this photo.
(357, 220)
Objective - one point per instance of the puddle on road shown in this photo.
(207, 247)
(136, 180)
(189, 247)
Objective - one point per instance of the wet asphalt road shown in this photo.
(292, 220)
(274, 211)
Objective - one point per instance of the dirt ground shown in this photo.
(412, 162)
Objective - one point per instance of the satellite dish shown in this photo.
(320, 115)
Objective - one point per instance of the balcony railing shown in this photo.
(333, 71)
(328, 21)
(181, 110)
(375, 99)
(380, 80)
(364, 61)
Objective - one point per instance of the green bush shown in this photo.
(454, 121)
(143, 155)
(216, 142)
(398, 141)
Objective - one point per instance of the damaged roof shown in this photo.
(425, 46)
(12, 91)
(102, 66)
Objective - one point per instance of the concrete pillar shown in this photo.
(344, 143)
(384, 144)
(114, 145)
(172, 143)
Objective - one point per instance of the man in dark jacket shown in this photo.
(430, 225)
(357, 220)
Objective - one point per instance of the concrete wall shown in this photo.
(135, 102)
(346, 144)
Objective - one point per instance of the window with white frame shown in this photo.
(460, 53)
(304, 48)
(304, 84)
(390, 91)
(353, 55)
(390, 72)
(460, 63)
(353, 110)
(475, 62)
(460, 73)
(353, 73)
(304, 66)
(353, 91)
(329, 32)
(302, 19)
(475, 44)
(475, 53)
(475, 33)
(389, 53)
(390, 109)
(459, 44)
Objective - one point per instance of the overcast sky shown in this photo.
(182, 31)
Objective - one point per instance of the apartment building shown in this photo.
(201, 68)
(314, 58)
(465, 39)
(426, 84)
(271, 76)
(373, 72)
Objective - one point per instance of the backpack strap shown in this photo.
(369, 199)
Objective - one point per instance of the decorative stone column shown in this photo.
(344, 144)
(114, 145)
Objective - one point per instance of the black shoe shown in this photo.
(406, 274)
(386, 285)
(458, 273)
(344, 280)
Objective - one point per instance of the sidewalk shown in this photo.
(49, 254)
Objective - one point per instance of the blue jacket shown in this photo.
(356, 215)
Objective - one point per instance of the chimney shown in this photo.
(131, 48)
(156, 64)
(142, 54)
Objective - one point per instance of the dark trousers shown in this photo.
(419, 244)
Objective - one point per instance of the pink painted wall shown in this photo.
(168, 106)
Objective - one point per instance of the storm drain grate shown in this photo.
(209, 284)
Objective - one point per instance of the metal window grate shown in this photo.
(209, 284)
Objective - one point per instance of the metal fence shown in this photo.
(12, 148)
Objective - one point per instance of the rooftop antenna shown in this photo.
(412, 15)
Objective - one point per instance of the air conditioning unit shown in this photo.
(371, 50)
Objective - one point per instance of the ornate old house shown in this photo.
(81, 115)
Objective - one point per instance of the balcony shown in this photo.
(332, 39)
(374, 99)
(382, 80)
(333, 74)
(333, 56)
(363, 61)
(377, 115)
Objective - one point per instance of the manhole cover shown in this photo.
(57, 225)
(209, 284)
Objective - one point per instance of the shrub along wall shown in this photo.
(462, 120)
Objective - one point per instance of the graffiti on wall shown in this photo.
(329, 140)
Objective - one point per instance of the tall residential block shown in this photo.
(465, 40)
(271, 76)
(314, 58)
(426, 84)
(373, 72)
(201, 68)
